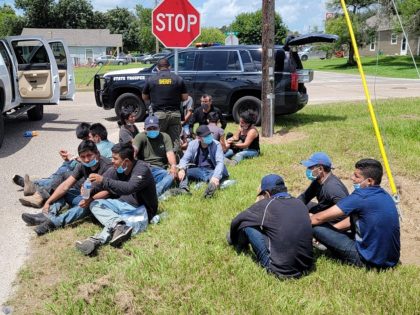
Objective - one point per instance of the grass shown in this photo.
(183, 265)
(388, 66)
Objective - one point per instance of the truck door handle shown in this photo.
(187, 78)
(33, 81)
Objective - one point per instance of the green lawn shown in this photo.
(386, 66)
(184, 266)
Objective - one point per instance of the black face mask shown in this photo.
(206, 107)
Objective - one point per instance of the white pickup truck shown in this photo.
(33, 73)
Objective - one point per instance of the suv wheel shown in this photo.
(1, 129)
(120, 63)
(36, 113)
(245, 103)
(304, 58)
(100, 64)
(130, 102)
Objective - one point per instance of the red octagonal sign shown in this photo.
(176, 23)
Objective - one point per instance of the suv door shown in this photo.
(65, 69)
(37, 72)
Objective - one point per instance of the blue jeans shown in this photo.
(163, 179)
(67, 166)
(258, 243)
(110, 212)
(339, 243)
(198, 174)
(244, 154)
(72, 198)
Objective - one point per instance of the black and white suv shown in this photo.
(231, 74)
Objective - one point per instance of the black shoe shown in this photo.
(45, 227)
(179, 191)
(18, 180)
(34, 219)
(121, 234)
(88, 246)
(210, 190)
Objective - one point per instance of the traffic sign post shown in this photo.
(176, 23)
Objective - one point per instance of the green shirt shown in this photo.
(153, 151)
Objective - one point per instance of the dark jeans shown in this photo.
(170, 123)
(258, 243)
(198, 174)
(341, 245)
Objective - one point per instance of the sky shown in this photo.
(298, 15)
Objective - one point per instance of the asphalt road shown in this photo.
(38, 156)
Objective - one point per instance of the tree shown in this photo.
(146, 39)
(73, 14)
(10, 23)
(37, 13)
(249, 28)
(122, 21)
(359, 11)
(210, 35)
(410, 15)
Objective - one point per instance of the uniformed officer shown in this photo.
(166, 90)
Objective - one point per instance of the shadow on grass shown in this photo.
(300, 119)
(387, 61)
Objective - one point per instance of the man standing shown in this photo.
(375, 241)
(166, 91)
(278, 229)
(155, 147)
(134, 183)
(203, 161)
(201, 113)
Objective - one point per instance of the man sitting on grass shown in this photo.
(278, 229)
(375, 241)
(132, 180)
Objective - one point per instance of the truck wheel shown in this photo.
(120, 63)
(245, 103)
(36, 113)
(1, 129)
(304, 58)
(132, 103)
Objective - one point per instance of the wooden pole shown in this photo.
(267, 90)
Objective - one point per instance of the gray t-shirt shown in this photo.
(216, 131)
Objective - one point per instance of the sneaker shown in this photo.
(29, 187)
(45, 227)
(35, 201)
(34, 219)
(319, 245)
(18, 180)
(230, 162)
(121, 234)
(210, 190)
(179, 191)
(88, 246)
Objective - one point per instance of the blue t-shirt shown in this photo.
(104, 148)
(374, 218)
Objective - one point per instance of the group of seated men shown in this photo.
(361, 229)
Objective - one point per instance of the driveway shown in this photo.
(39, 155)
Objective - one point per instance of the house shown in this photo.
(387, 41)
(84, 44)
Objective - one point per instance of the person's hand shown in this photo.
(173, 171)
(215, 181)
(46, 208)
(65, 155)
(96, 178)
(230, 140)
(84, 203)
(181, 175)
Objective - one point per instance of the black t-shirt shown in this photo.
(200, 117)
(83, 172)
(287, 225)
(165, 90)
(137, 188)
(328, 193)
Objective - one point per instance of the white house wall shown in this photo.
(78, 54)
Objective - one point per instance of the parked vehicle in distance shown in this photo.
(110, 60)
(230, 74)
(154, 58)
(313, 52)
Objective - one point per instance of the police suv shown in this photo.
(230, 74)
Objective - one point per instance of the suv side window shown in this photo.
(256, 55)
(213, 60)
(247, 61)
(185, 61)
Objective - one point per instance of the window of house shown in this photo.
(394, 39)
(372, 45)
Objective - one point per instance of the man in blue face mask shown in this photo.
(69, 192)
(202, 162)
(327, 188)
(155, 147)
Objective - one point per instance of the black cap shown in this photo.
(271, 181)
(203, 131)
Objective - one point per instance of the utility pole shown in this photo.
(267, 91)
(157, 41)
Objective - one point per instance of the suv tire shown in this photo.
(130, 101)
(304, 57)
(244, 103)
(120, 63)
(100, 64)
(36, 113)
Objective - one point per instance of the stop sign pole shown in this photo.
(176, 23)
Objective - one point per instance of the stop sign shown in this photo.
(176, 23)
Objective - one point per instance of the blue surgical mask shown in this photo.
(91, 163)
(121, 169)
(208, 139)
(358, 185)
(152, 134)
(309, 174)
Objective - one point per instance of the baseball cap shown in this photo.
(271, 181)
(318, 158)
(203, 131)
(151, 121)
